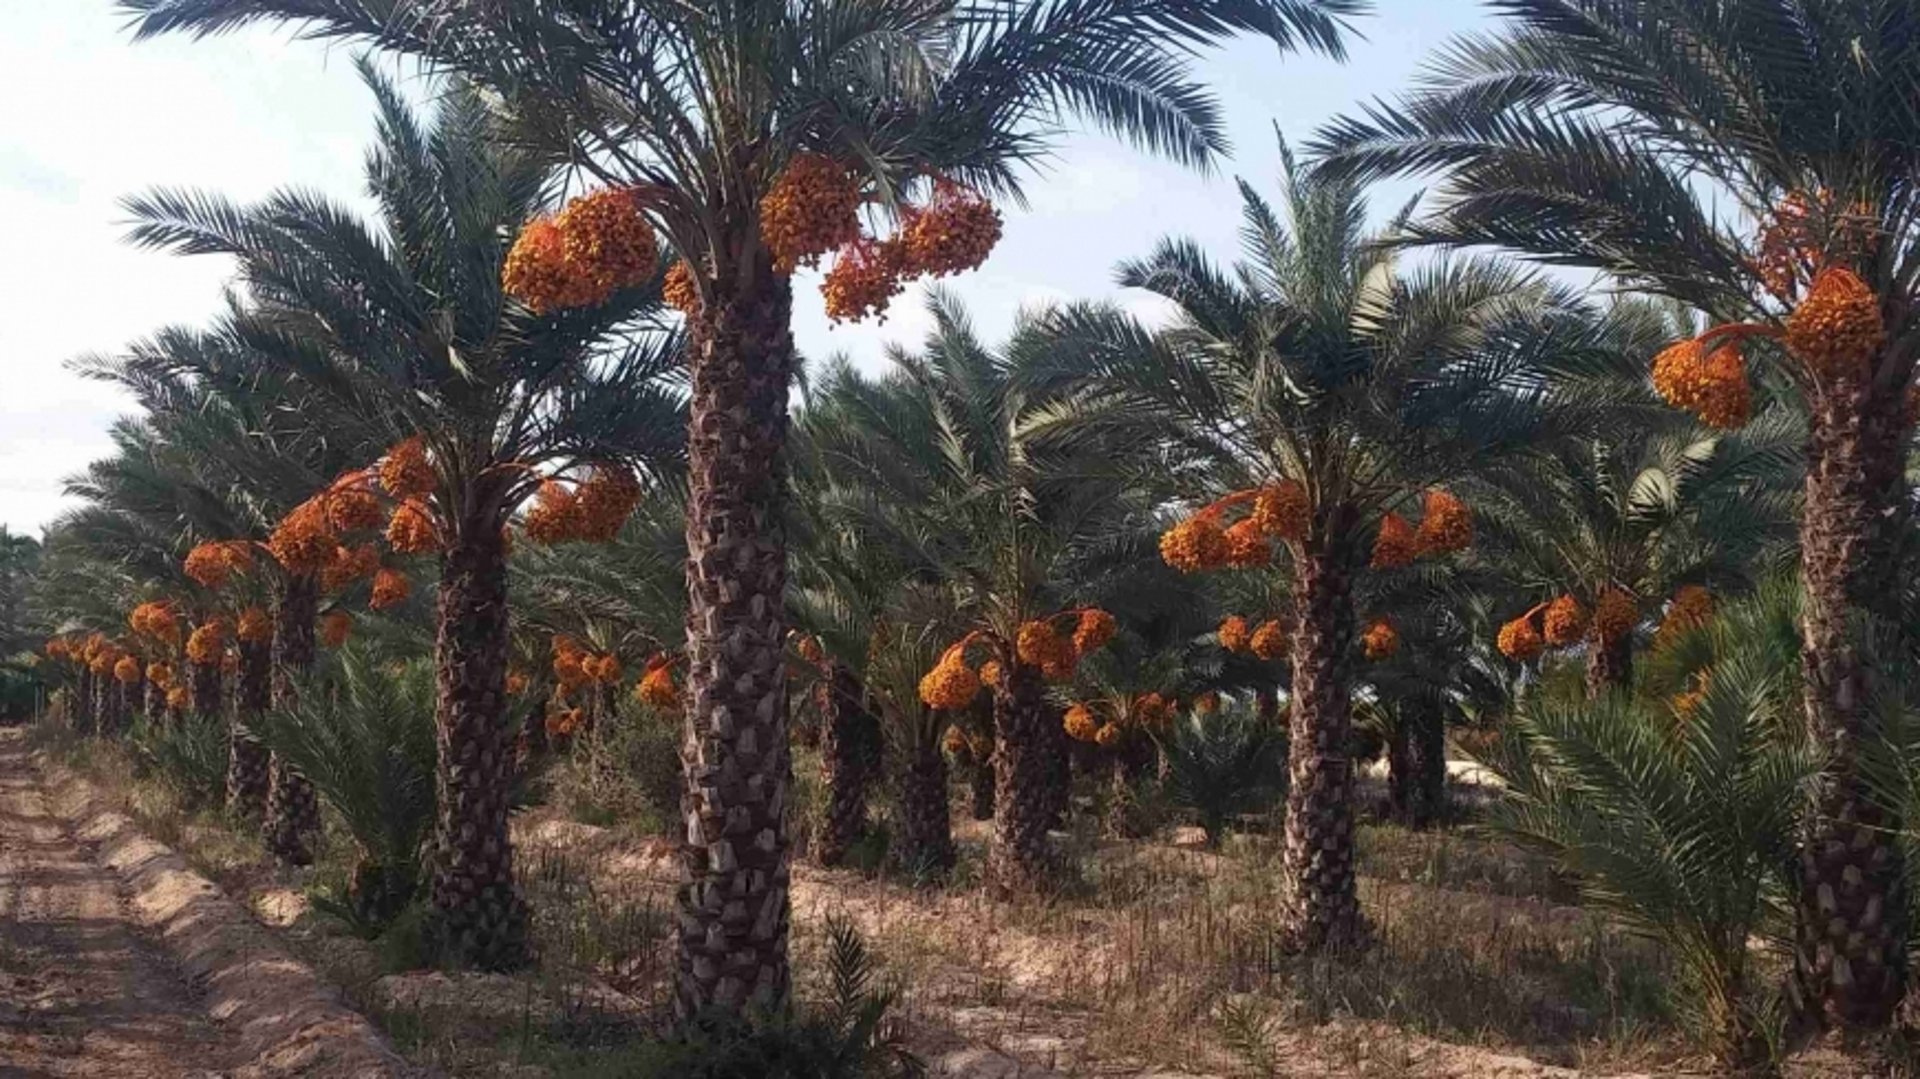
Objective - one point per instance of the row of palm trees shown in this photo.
(974, 487)
(1326, 386)
(698, 109)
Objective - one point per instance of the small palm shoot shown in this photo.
(1678, 816)
(363, 734)
(1223, 764)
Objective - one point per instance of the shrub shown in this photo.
(188, 756)
(1679, 820)
(845, 1039)
(1222, 765)
(362, 732)
(625, 770)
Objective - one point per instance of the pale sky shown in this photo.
(93, 118)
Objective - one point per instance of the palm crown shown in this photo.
(402, 328)
(706, 100)
(950, 464)
(1579, 133)
(1318, 359)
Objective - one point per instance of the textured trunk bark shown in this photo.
(1417, 765)
(1400, 767)
(1023, 773)
(155, 704)
(534, 742)
(1850, 957)
(248, 769)
(293, 812)
(1320, 906)
(1127, 766)
(480, 916)
(132, 698)
(606, 704)
(980, 782)
(926, 840)
(109, 691)
(735, 908)
(1058, 747)
(1609, 666)
(203, 681)
(1266, 706)
(1430, 769)
(80, 700)
(849, 760)
(92, 703)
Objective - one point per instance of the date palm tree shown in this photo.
(1154, 669)
(403, 327)
(939, 464)
(838, 598)
(230, 427)
(628, 593)
(123, 544)
(704, 105)
(1318, 370)
(911, 635)
(626, 598)
(1645, 515)
(1445, 670)
(20, 687)
(1618, 137)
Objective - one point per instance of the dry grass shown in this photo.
(1148, 958)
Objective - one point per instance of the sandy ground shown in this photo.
(1031, 1024)
(81, 992)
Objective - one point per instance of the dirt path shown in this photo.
(81, 993)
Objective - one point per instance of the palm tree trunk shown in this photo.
(1129, 764)
(248, 775)
(79, 699)
(480, 916)
(1059, 751)
(293, 810)
(1850, 957)
(1417, 765)
(980, 783)
(110, 699)
(1320, 907)
(1400, 766)
(849, 759)
(1022, 797)
(1609, 665)
(926, 839)
(1119, 798)
(203, 680)
(1266, 705)
(735, 910)
(93, 702)
(155, 705)
(131, 698)
(533, 743)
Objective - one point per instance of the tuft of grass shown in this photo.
(1461, 860)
